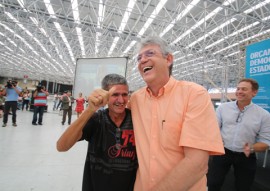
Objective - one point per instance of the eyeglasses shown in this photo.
(147, 53)
(239, 117)
(117, 138)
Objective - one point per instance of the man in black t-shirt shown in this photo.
(111, 161)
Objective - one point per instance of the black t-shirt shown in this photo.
(109, 166)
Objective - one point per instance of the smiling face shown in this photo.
(118, 100)
(153, 65)
(244, 92)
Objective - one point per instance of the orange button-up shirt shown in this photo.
(182, 115)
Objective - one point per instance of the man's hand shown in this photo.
(248, 149)
(99, 98)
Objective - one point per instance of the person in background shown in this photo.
(12, 92)
(174, 123)
(245, 129)
(86, 101)
(20, 102)
(2, 102)
(60, 101)
(26, 100)
(67, 101)
(25, 89)
(79, 105)
(111, 161)
(55, 101)
(40, 102)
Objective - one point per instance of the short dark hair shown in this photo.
(113, 79)
(156, 40)
(254, 83)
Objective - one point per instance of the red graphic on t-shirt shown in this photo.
(123, 150)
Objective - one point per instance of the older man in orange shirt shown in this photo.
(175, 125)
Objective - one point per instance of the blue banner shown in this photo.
(258, 68)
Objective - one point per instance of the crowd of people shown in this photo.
(164, 136)
(13, 98)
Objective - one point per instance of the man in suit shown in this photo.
(67, 101)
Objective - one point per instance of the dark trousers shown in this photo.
(26, 104)
(65, 112)
(54, 104)
(244, 170)
(13, 105)
(38, 114)
(59, 104)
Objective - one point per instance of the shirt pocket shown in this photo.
(170, 135)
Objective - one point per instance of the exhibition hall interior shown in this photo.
(70, 45)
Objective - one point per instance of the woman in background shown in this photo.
(79, 105)
(26, 100)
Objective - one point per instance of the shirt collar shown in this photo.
(246, 107)
(165, 89)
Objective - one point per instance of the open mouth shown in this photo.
(147, 68)
(118, 104)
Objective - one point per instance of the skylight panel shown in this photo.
(22, 39)
(34, 20)
(130, 46)
(31, 35)
(59, 29)
(232, 34)
(63, 36)
(236, 52)
(80, 37)
(75, 10)
(152, 17)
(127, 13)
(101, 12)
(211, 32)
(214, 12)
(180, 16)
(197, 24)
(21, 2)
(11, 41)
(147, 23)
(123, 24)
(257, 6)
(183, 57)
(7, 47)
(50, 8)
(115, 40)
(266, 18)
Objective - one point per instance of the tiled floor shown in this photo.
(29, 160)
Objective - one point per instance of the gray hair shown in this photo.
(113, 79)
(156, 40)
